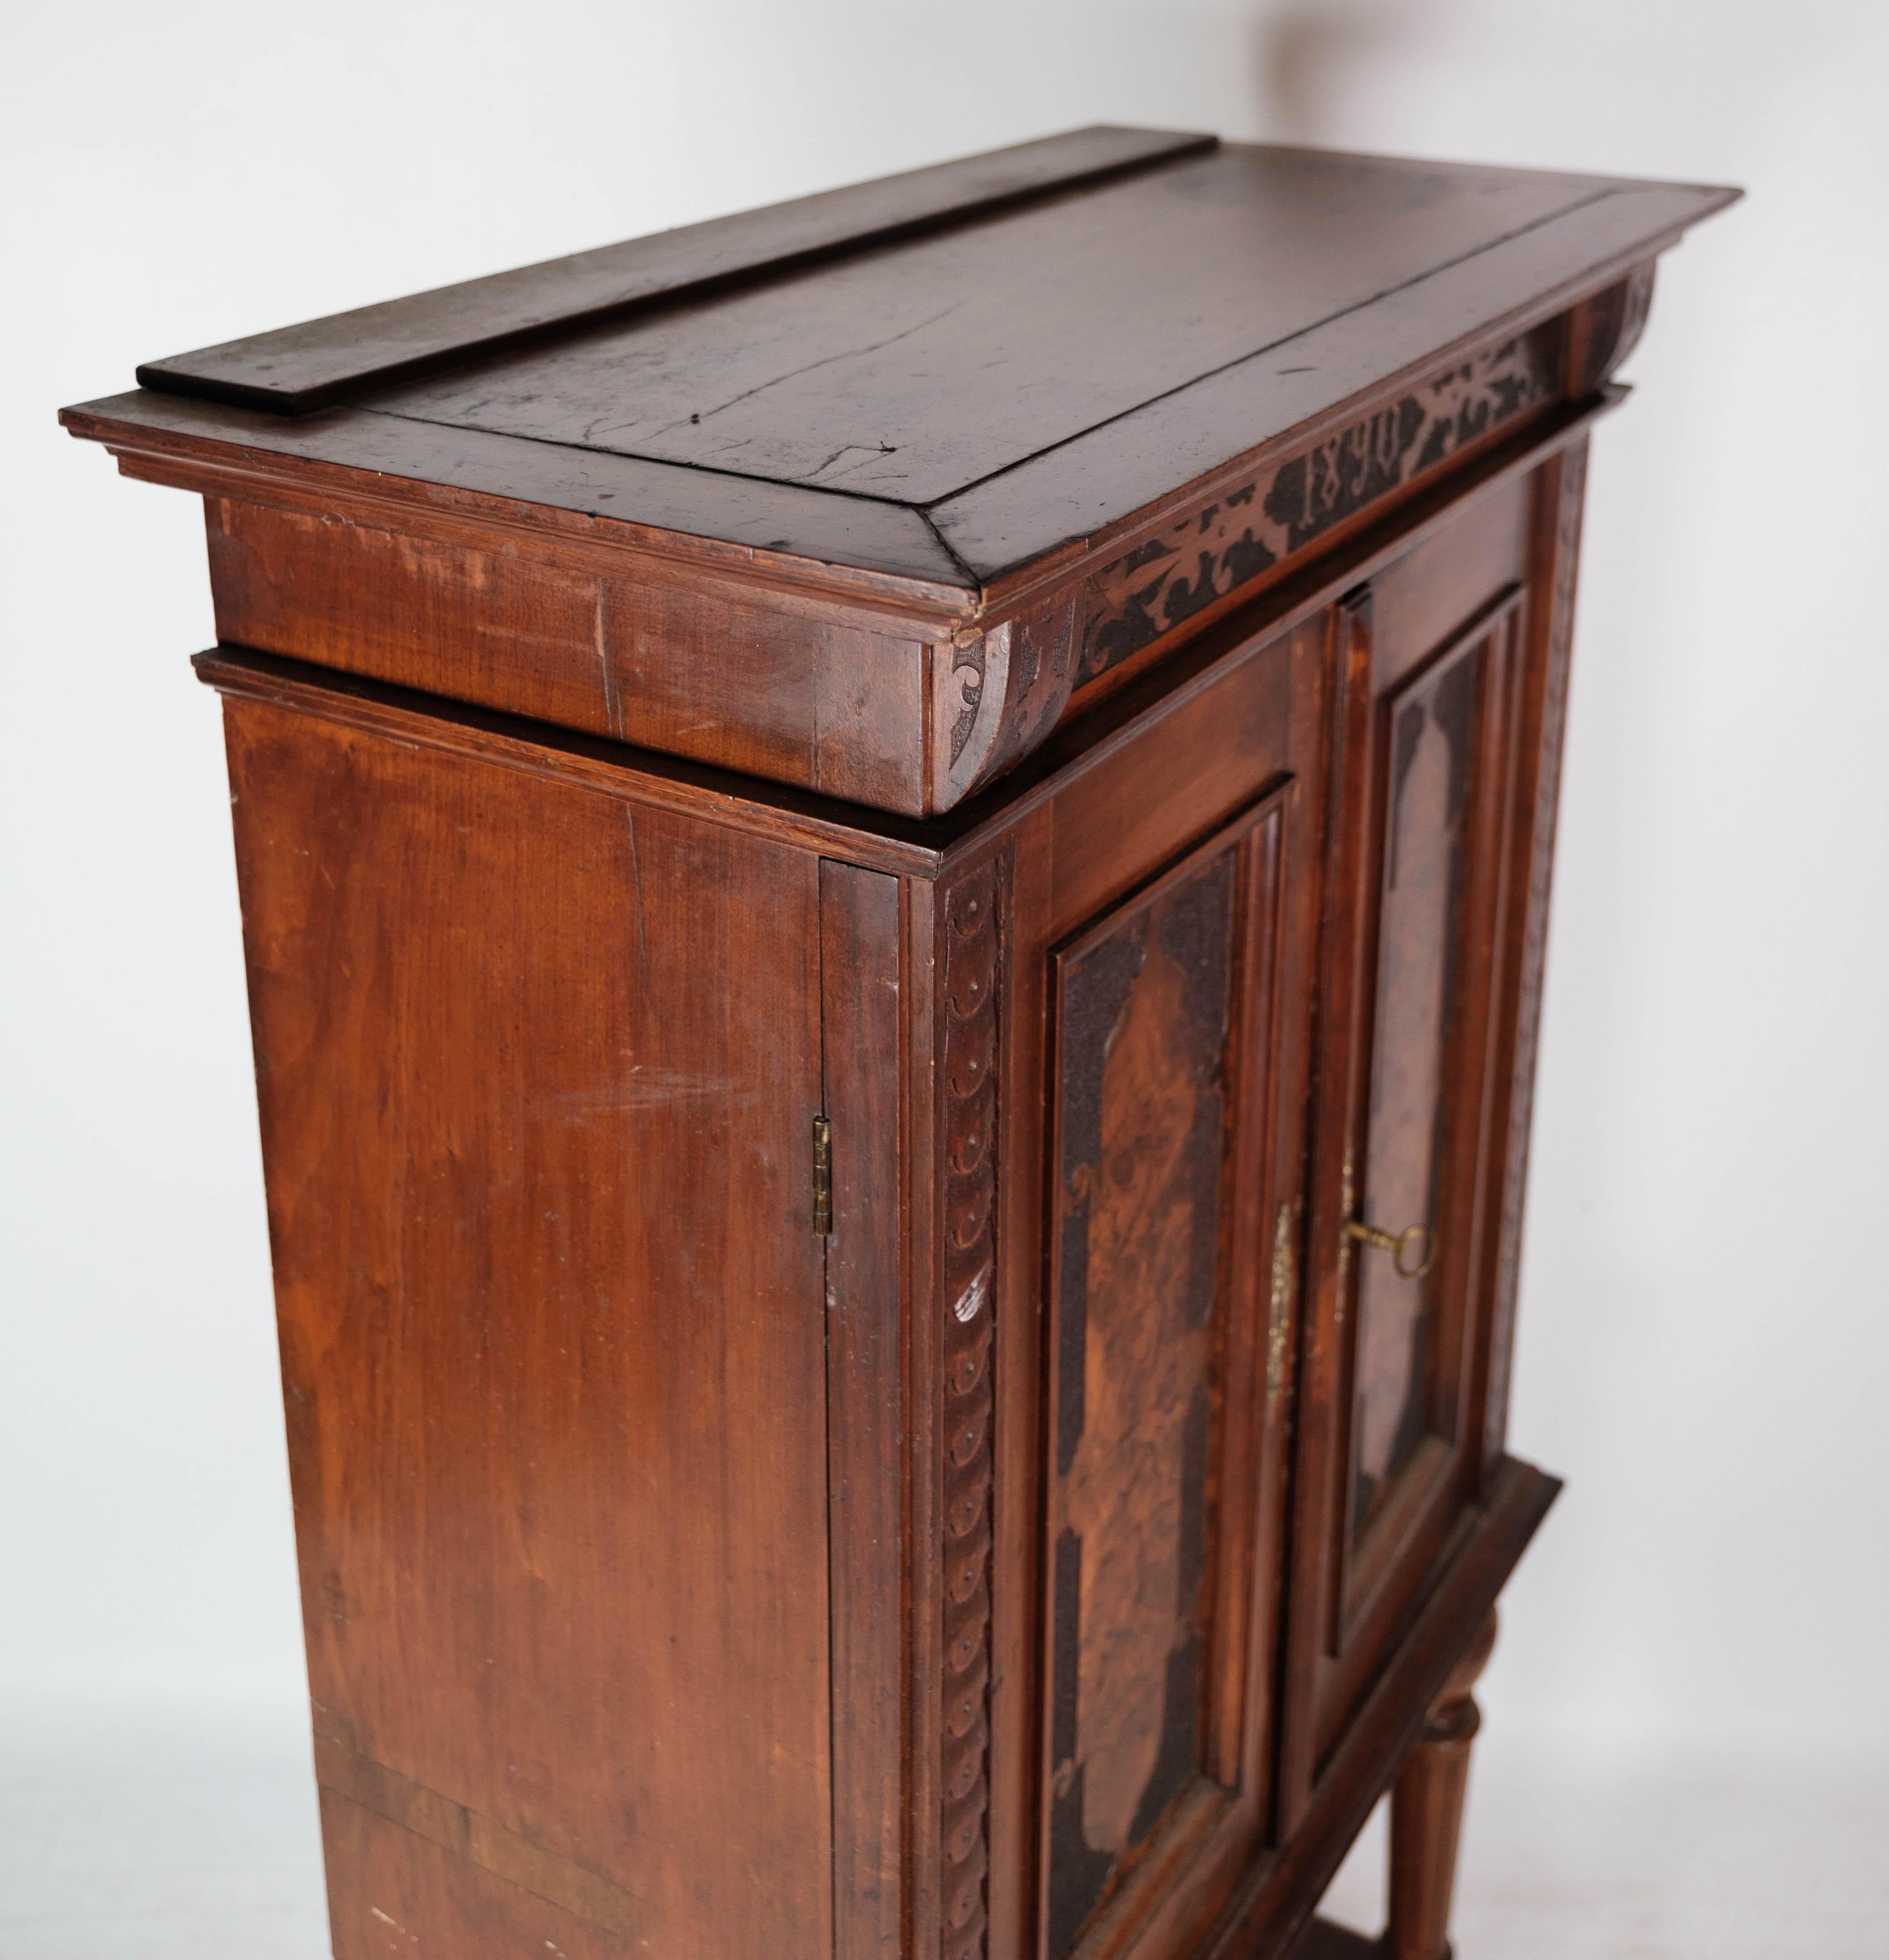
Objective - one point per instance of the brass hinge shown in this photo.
(823, 1175)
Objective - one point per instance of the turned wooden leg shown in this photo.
(1426, 1812)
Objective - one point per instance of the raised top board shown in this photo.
(297, 368)
(913, 372)
(939, 378)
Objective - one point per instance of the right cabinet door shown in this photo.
(1408, 1152)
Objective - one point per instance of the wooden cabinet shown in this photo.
(894, 856)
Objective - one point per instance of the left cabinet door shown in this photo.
(1172, 1175)
(538, 1069)
(1154, 999)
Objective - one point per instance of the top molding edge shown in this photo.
(293, 369)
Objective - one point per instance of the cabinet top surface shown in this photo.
(939, 376)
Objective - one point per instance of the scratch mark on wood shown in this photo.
(793, 373)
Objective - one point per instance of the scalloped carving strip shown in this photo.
(968, 1270)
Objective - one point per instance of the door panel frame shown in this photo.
(1425, 1493)
(1349, 1603)
(1225, 1801)
(1257, 724)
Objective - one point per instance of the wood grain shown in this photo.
(1319, 380)
(791, 535)
(913, 372)
(905, 695)
(515, 1301)
(1283, 1890)
(860, 1013)
(770, 692)
(1559, 501)
(388, 1887)
(1426, 1812)
(610, 768)
(1145, 1014)
(1390, 1423)
(1165, 1085)
(298, 368)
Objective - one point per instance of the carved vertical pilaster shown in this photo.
(967, 1270)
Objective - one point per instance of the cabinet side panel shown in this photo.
(385, 1884)
(537, 1072)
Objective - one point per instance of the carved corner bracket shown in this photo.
(1602, 332)
(1000, 695)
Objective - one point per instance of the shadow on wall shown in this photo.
(1305, 54)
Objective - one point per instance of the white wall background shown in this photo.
(1705, 1342)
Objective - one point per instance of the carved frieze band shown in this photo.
(1204, 555)
(1571, 489)
(971, 940)
(997, 695)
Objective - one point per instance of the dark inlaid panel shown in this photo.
(1431, 761)
(1148, 1075)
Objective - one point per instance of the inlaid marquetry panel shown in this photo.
(1413, 1243)
(1431, 774)
(1159, 1073)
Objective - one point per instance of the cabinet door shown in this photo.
(1406, 1174)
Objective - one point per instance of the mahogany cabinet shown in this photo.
(894, 854)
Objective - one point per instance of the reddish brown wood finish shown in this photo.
(844, 1029)
(302, 368)
(772, 693)
(1426, 1812)
(967, 962)
(516, 1302)
(735, 529)
(1164, 1014)
(861, 1031)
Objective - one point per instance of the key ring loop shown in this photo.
(1398, 1244)
(1421, 1233)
